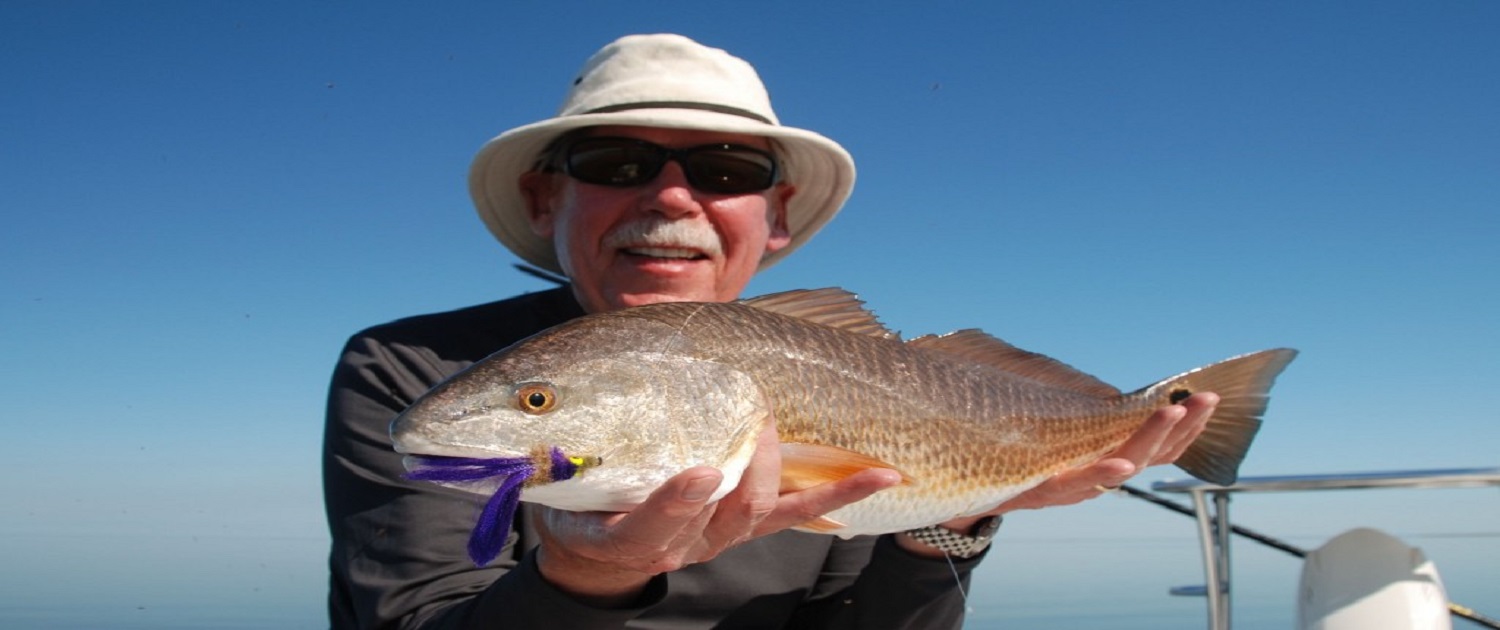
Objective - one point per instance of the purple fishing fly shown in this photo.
(489, 534)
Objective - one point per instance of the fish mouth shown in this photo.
(556, 464)
(417, 461)
(416, 446)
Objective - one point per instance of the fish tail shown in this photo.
(1243, 384)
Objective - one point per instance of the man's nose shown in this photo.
(671, 194)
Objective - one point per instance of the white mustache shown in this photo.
(656, 232)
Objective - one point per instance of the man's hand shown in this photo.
(1161, 440)
(607, 558)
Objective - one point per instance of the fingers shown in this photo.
(1144, 445)
(756, 508)
(1199, 409)
(796, 508)
(672, 507)
(1169, 431)
(754, 499)
(655, 536)
(676, 525)
(1072, 486)
(607, 557)
(1160, 440)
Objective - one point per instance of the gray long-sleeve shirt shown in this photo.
(398, 558)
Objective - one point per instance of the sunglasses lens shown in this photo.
(613, 163)
(722, 169)
(730, 170)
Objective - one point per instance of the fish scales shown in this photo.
(968, 435)
(969, 420)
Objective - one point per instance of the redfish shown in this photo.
(595, 413)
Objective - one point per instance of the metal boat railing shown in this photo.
(1211, 509)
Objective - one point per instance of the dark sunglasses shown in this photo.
(728, 169)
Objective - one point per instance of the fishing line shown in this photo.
(962, 592)
(541, 274)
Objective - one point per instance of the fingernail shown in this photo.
(699, 489)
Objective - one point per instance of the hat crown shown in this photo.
(664, 70)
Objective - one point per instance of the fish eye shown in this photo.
(536, 398)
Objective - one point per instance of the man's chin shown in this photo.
(660, 296)
(632, 281)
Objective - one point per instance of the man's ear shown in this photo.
(539, 189)
(781, 235)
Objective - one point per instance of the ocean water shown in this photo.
(144, 581)
(1039, 577)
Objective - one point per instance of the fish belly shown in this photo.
(895, 511)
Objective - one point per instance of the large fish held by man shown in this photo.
(595, 413)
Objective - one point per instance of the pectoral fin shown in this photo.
(806, 465)
(821, 525)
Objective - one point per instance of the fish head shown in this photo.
(629, 419)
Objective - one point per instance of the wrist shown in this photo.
(959, 538)
(590, 582)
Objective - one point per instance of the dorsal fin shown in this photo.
(980, 347)
(833, 307)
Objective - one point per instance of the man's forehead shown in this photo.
(677, 138)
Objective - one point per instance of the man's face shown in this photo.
(661, 241)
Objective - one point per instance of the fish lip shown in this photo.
(431, 450)
(419, 443)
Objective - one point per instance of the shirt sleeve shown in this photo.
(398, 547)
(874, 583)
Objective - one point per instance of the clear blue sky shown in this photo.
(202, 200)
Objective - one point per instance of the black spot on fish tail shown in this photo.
(1242, 384)
(1179, 395)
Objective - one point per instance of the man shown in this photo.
(665, 177)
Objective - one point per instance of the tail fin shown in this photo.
(1243, 384)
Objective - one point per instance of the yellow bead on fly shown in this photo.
(552, 465)
(584, 463)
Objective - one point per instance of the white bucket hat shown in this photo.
(661, 81)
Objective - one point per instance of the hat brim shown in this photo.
(822, 171)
